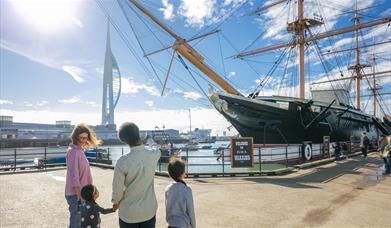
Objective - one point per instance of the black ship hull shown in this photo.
(286, 120)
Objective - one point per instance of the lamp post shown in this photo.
(190, 123)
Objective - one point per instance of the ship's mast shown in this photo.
(301, 47)
(358, 66)
(183, 48)
(374, 88)
(297, 27)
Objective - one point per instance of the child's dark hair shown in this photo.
(87, 192)
(176, 167)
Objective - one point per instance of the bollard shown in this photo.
(15, 159)
(222, 156)
(286, 156)
(187, 160)
(45, 160)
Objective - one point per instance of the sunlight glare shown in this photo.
(46, 15)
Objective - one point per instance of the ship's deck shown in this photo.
(350, 194)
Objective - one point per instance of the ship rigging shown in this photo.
(287, 119)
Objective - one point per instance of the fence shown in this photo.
(200, 162)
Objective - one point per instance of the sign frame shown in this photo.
(249, 151)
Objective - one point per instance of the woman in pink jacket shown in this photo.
(78, 169)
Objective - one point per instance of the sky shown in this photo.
(52, 57)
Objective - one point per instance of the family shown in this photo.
(133, 191)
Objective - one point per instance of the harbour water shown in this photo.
(199, 161)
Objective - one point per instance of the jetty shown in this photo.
(352, 193)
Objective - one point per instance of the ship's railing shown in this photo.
(265, 160)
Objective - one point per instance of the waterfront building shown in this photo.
(201, 134)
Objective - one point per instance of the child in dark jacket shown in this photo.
(89, 209)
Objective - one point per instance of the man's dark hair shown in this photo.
(176, 167)
(87, 192)
(129, 134)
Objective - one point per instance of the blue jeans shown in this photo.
(146, 224)
(74, 219)
(337, 155)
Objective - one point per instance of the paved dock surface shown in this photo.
(350, 194)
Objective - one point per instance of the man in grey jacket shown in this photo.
(133, 181)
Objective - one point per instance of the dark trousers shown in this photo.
(364, 151)
(387, 165)
(146, 224)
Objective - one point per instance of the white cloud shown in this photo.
(206, 12)
(275, 18)
(72, 100)
(39, 55)
(178, 91)
(6, 102)
(42, 103)
(77, 100)
(30, 52)
(231, 74)
(28, 104)
(197, 12)
(192, 95)
(38, 104)
(129, 86)
(75, 72)
(93, 104)
(167, 10)
(149, 103)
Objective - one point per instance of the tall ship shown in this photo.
(280, 119)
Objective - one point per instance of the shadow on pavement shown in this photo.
(324, 174)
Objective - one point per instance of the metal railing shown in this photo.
(199, 162)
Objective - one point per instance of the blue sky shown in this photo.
(52, 56)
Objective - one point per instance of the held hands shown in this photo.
(115, 207)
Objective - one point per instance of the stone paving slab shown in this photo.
(350, 194)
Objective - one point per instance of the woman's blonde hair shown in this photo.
(83, 128)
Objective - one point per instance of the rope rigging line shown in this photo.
(221, 56)
(343, 12)
(187, 68)
(324, 65)
(271, 71)
(162, 69)
(233, 47)
(337, 59)
(138, 41)
(176, 59)
(378, 95)
(146, 25)
(265, 30)
(123, 37)
(285, 70)
(178, 78)
(220, 23)
(135, 55)
(387, 106)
